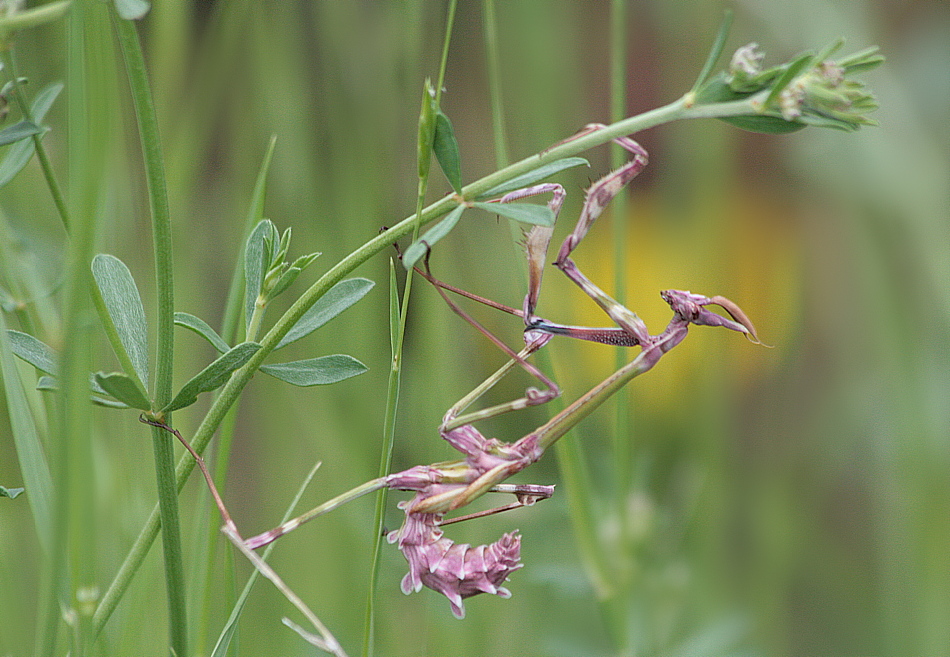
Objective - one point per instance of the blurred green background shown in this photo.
(788, 501)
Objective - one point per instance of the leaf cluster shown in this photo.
(124, 322)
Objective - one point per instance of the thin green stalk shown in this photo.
(490, 26)
(232, 389)
(47, 168)
(163, 445)
(395, 374)
(499, 140)
(34, 17)
(618, 106)
(622, 437)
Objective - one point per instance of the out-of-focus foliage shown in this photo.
(792, 501)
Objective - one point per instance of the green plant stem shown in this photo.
(231, 390)
(47, 168)
(34, 17)
(622, 437)
(395, 377)
(490, 23)
(162, 443)
(618, 91)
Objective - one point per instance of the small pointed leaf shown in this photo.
(107, 403)
(25, 436)
(19, 131)
(305, 261)
(717, 90)
(426, 132)
(794, 69)
(291, 274)
(254, 271)
(10, 492)
(284, 245)
(33, 351)
(418, 248)
(716, 51)
(124, 305)
(256, 210)
(316, 371)
(447, 151)
(764, 124)
(533, 176)
(20, 153)
(213, 376)
(527, 213)
(124, 388)
(340, 297)
(201, 327)
(50, 384)
(286, 280)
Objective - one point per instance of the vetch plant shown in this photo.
(809, 90)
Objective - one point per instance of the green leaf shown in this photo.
(25, 19)
(20, 153)
(447, 151)
(426, 130)
(36, 353)
(124, 388)
(316, 371)
(527, 213)
(256, 210)
(132, 10)
(822, 121)
(50, 384)
(770, 125)
(254, 267)
(337, 299)
(829, 50)
(771, 122)
(19, 131)
(12, 493)
(213, 376)
(861, 61)
(107, 403)
(291, 274)
(34, 468)
(797, 65)
(533, 176)
(418, 248)
(716, 50)
(201, 327)
(124, 305)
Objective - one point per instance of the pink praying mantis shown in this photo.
(461, 571)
